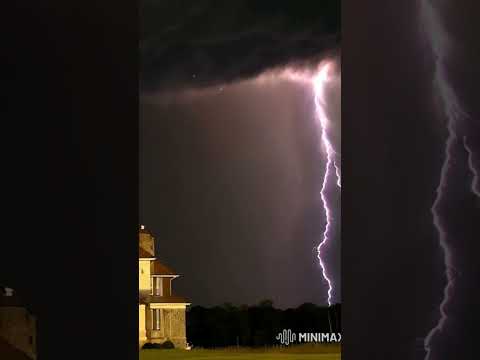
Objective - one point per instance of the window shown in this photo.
(158, 286)
(156, 319)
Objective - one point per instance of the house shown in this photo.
(161, 313)
(17, 327)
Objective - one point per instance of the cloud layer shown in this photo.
(206, 42)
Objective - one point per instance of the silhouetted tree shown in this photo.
(258, 325)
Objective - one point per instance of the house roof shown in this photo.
(153, 299)
(157, 268)
(142, 253)
(146, 244)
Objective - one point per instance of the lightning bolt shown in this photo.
(319, 85)
(318, 80)
(337, 173)
(442, 235)
(475, 186)
(439, 43)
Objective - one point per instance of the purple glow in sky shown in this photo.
(319, 81)
(440, 42)
(278, 97)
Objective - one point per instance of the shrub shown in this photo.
(168, 345)
(165, 345)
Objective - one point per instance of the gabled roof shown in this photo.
(142, 253)
(157, 268)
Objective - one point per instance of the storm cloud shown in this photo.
(230, 163)
(207, 42)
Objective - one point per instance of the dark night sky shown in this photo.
(230, 185)
(225, 41)
(230, 180)
(394, 270)
(394, 130)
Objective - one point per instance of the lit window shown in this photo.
(156, 319)
(159, 286)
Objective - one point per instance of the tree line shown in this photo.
(258, 325)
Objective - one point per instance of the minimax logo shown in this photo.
(287, 337)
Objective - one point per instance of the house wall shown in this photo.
(172, 327)
(177, 327)
(18, 327)
(167, 286)
(144, 276)
(142, 329)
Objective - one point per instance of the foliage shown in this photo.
(165, 345)
(256, 326)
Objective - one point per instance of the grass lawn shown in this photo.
(242, 354)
